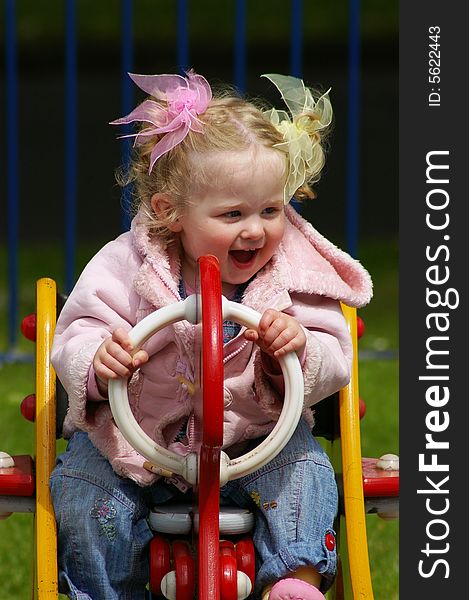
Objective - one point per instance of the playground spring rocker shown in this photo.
(203, 551)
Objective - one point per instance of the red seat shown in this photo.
(377, 482)
(18, 480)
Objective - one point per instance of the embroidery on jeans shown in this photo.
(265, 505)
(269, 505)
(104, 511)
(257, 499)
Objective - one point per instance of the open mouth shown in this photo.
(243, 257)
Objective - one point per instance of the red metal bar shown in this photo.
(212, 437)
(18, 480)
(377, 482)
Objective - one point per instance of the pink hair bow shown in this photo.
(185, 97)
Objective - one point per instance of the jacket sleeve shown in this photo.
(328, 356)
(102, 300)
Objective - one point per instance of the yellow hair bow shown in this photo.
(305, 156)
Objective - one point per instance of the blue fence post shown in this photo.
(353, 129)
(12, 169)
(240, 46)
(70, 143)
(127, 96)
(296, 48)
(296, 38)
(183, 35)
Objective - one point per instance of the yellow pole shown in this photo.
(355, 524)
(46, 537)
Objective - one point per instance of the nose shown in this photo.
(252, 229)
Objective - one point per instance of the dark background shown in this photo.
(41, 49)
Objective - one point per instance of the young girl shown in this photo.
(212, 175)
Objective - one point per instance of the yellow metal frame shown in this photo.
(355, 526)
(45, 529)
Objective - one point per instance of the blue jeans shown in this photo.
(103, 533)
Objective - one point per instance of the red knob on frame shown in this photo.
(28, 327)
(28, 407)
(360, 327)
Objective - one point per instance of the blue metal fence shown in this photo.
(71, 113)
(12, 167)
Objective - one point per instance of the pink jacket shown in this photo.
(134, 274)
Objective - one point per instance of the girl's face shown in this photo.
(239, 217)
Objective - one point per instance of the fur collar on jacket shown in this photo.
(305, 262)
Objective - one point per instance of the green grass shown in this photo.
(378, 387)
(380, 435)
(380, 316)
(35, 261)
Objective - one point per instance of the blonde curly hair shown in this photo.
(230, 123)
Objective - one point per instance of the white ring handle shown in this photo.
(187, 466)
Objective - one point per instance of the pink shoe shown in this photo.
(294, 589)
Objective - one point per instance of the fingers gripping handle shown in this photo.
(187, 466)
(291, 411)
(119, 400)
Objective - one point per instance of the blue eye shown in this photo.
(270, 210)
(232, 214)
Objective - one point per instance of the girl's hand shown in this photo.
(114, 359)
(278, 334)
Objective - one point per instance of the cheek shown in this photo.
(277, 232)
(200, 243)
(191, 246)
(218, 238)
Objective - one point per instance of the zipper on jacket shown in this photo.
(189, 433)
(171, 287)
